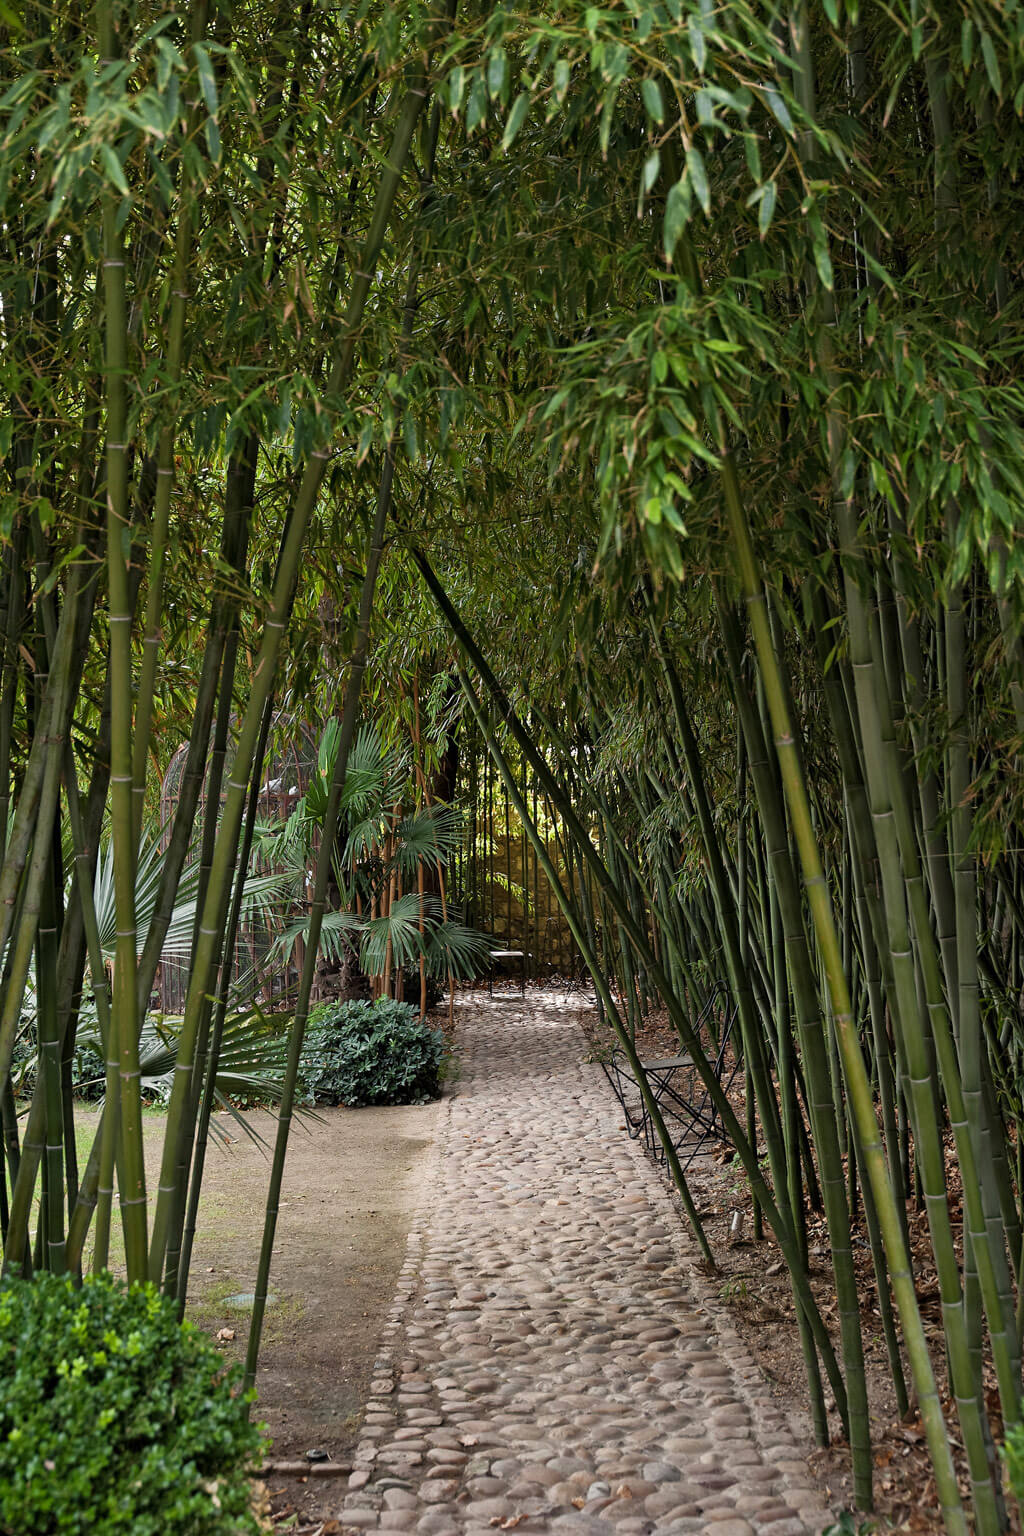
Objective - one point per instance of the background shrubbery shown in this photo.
(116, 1418)
(1013, 1454)
(87, 1069)
(371, 1053)
(356, 1052)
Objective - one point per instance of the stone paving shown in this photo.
(553, 1359)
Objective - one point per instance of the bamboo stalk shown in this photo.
(214, 908)
(324, 863)
(858, 1086)
(125, 1012)
(173, 363)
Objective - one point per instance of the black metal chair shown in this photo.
(678, 1088)
(507, 954)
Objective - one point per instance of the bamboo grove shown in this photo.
(649, 372)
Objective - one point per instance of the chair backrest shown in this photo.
(716, 1039)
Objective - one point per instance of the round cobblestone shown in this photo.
(555, 1358)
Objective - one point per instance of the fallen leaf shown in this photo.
(225, 1335)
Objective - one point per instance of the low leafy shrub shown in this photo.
(116, 1419)
(1013, 1455)
(371, 1053)
(87, 1068)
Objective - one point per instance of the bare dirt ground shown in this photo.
(352, 1182)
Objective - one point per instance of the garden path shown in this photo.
(553, 1359)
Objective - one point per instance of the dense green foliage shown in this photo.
(1013, 1453)
(686, 343)
(87, 1073)
(115, 1417)
(371, 1053)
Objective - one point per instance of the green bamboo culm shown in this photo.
(159, 537)
(215, 907)
(125, 1020)
(812, 1041)
(858, 1085)
(332, 811)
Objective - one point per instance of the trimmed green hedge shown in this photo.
(371, 1053)
(115, 1418)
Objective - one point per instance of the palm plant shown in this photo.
(264, 897)
(383, 849)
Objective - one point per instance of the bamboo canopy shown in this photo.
(626, 399)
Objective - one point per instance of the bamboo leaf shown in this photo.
(607, 118)
(212, 133)
(476, 107)
(516, 118)
(410, 436)
(456, 87)
(699, 178)
(988, 53)
(698, 43)
(823, 263)
(779, 110)
(497, 73)
(677, 214)
(766, 208)
(207, 78)
(114, 169)
(653, 103)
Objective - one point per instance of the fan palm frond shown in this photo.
(364, 836)
(334, 935)
(429, 836)
(147, 883)
(452, 948)
(399, 928)
(264, 896)
(253, 1057)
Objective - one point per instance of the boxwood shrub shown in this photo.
(371, 1053)
(115, 1418)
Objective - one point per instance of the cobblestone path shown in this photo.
(549, 1362)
